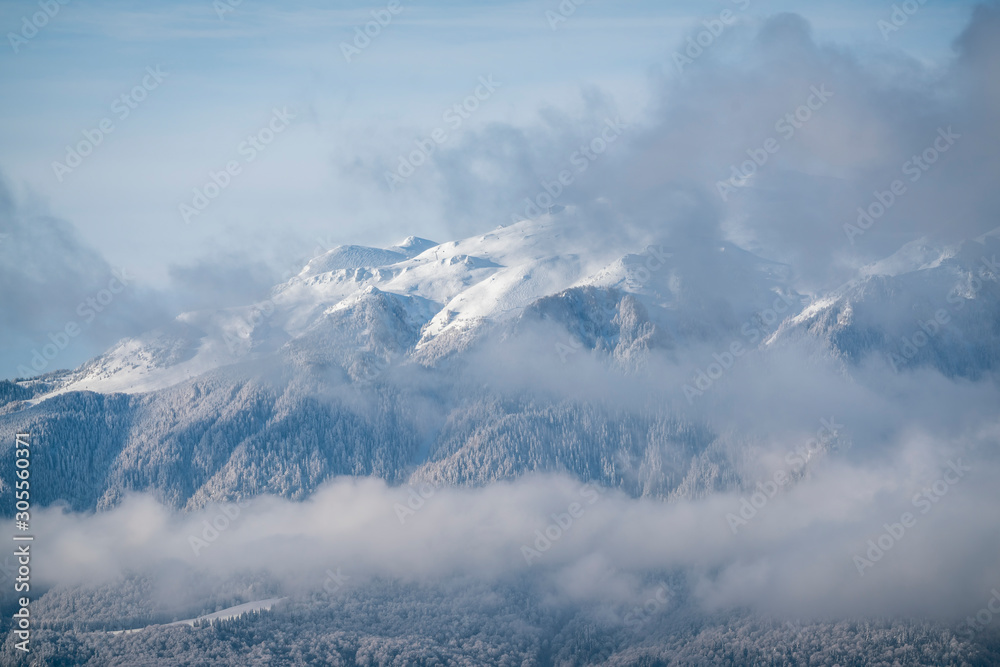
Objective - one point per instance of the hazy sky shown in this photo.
(208, 82)
(172, 93)
(225, 75)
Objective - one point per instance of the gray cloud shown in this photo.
(795, 556)
(659, 184)
(661, 179)
(53, 283)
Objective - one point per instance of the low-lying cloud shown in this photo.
(794, 554)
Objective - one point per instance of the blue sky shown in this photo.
(226, 75)
(331, 130)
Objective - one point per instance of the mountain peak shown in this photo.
(351, 257)
(412, 246)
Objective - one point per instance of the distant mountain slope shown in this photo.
(379, 369)
(923, 306)
(448, 292)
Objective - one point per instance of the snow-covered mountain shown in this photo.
(428, 300)
(371, 362)
(923, 305)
